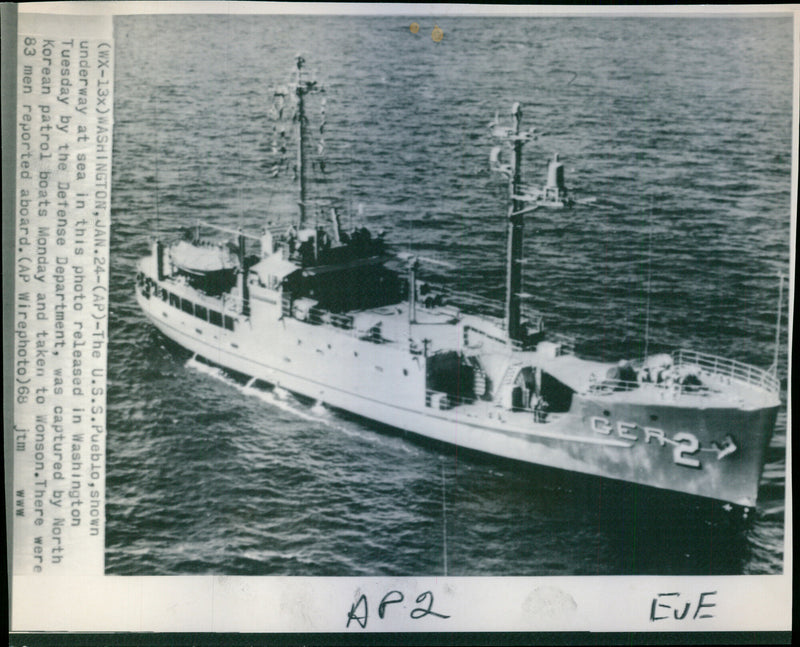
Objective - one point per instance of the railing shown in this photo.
(608, 386)
(180, 287)
(485, 305)
(503, 341)
(320, 317)
(728, 368)
(344, 323)
(711, 367)
(286, 305)
(565, 344)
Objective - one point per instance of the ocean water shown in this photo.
(681, 129)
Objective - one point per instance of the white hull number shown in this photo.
(685, 444)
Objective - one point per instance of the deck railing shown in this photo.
(493, 307)
(343, 323)
(286, 305)
(484, 305)
(346, 322)
(710, 369)
(728, 368)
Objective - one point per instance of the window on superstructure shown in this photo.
(200, 312)
(187, 306)
(215, 318)
(228, 322)
(174, 300)
(164, 294)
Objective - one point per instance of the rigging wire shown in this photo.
(158, 150)
(154, 100)
(649, 279)
(239, 120)
(774, 367)
(279, 144)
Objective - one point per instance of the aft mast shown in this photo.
(515, 220)
(515, 229)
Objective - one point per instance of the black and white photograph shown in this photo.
(377, 318)
(463, 296)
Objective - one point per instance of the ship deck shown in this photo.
(725, 383)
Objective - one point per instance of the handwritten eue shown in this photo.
(659, 603)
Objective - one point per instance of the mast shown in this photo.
(301, 88)
(412, 293)
(516, 211)
(515, 230)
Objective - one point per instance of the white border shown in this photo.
(398, 9)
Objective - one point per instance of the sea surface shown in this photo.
(679, 127)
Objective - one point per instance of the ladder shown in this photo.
(508, 377)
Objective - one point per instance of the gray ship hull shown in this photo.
(713, 452)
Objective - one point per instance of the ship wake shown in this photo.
(284, 400)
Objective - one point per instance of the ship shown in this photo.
(334, 315)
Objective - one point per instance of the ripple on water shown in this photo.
(207, 474)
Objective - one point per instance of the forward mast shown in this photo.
(302, 87)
